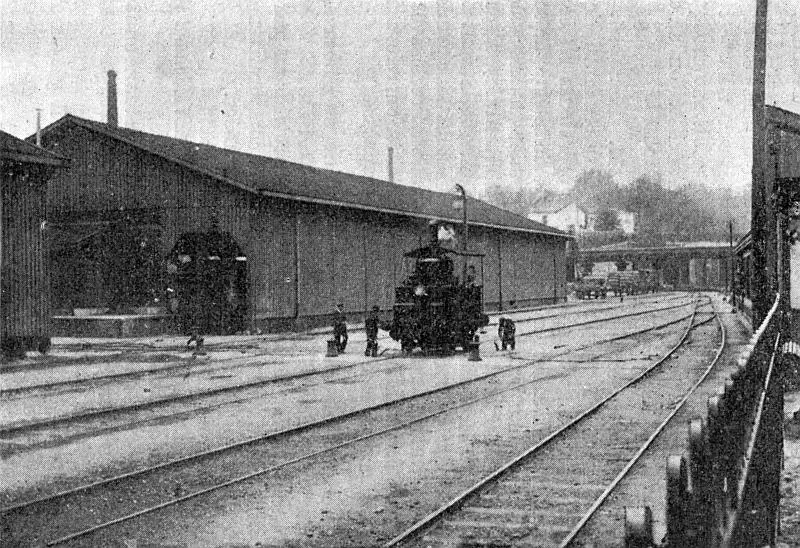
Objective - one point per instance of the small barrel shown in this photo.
(332, 350)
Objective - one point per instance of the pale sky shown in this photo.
(518, 93)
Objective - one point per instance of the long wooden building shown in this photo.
(24, 310)
(309, 237)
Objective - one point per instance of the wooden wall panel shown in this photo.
(316, 242)
(379, 266)
(513, 268)
(23, 294)
(271, 260)
(486, 241)
(529, 271)
(386, 241)
(349, 261)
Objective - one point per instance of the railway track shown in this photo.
(176, 405)
(534, 498)
(117, 345)
(193, 366)
(59, 506)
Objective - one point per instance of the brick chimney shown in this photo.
(112, 98)
(38, 127)
(390, 166)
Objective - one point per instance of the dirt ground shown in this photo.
(363, 495)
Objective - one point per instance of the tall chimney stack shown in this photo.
(391, 165)
(112, 98)
(38, 127)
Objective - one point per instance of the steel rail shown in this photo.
(456, 502)
(573, 534)
(405, 424)
(296, 429)
(94, 413)
(230, 402)
(116, 345)
(320, 422)
(245, 361)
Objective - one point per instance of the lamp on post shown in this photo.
(462, 205)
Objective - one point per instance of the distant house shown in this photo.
(566, 212)
(560, 211)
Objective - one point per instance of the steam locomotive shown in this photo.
(434, 309)
(207, 283)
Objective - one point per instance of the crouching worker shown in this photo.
(371, 327)
(340, 328)
(506, 329)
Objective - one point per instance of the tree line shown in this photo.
(663, 214)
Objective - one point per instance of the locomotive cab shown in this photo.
(439, 306)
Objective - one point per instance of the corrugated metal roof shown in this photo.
(14, 148)
(275, 177)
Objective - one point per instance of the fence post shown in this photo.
(677, 484)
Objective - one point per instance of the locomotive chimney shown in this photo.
(112, 98)
(390, 166)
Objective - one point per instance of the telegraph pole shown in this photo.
(760, 202)
(731, 264)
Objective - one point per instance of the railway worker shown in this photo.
(506, 331)
(340, 328)
(371, 327)
(195, 301)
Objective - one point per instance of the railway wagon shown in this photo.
(434, 309)
(632, 282)
(591, 287)
(24, 310)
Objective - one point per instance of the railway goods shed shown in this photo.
(310, 238)
(24, 312)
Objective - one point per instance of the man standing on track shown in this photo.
(371, 328)
(506, 331)
(340, 328)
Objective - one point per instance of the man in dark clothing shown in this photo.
(506, 331)
(371, 328)
(195, 299)
(340, 328)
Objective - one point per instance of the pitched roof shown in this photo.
(284, 179)
(13, 148)
(552, 203)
